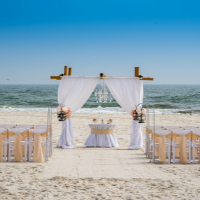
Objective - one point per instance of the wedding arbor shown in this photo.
(74, 91)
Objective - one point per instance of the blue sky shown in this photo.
(38, 38)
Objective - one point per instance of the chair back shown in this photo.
(150, 127)
(151, 130)
(7, 126)
(196, 132)
(42, 132)
(173, 127)
(18, 130)
(43, 127)
(163, 132)
(181, 132)
(190, 127)
(25, 126)
(3, 130)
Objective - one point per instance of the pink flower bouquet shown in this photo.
(63, 113)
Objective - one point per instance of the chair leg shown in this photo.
(153, 151)
(25, 150)
(169, 151)
(149, 146)
(9, 150)
(46, 152)
(5, 150)
(189, 161)
(51, 144)
(173, 151)
(193, 148)
(146, 145)
(30, 149)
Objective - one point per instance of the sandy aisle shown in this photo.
(87, 173)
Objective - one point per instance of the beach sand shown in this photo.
(98, 173)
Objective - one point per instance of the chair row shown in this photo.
(25, 144)
(24, 126)
(176, 143)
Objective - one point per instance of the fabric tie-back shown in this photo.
(199, 150)
(183, 150)
(1, 148)
(102, 131)
(37, 150)
(38, 153)
(128, 92)
(18, 148)
(16, 132)
(73, 92)
(162, 149)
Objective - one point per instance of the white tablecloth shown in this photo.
(102, 140)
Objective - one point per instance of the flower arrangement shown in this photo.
(63, 113)
(110, 121)
(94, 120)
(138, 113)
(143, 111)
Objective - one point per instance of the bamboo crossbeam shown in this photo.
(102, 75)
(55, 77)
(146, 79)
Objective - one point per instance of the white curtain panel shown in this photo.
(73, 92)
(128, 92)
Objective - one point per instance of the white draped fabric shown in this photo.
(73, 92)
(102, 140)
(128, 92)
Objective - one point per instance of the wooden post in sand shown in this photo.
(65, 70)
(70, 72)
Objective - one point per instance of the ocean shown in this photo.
(166, 99)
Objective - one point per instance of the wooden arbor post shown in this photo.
(64, 74)
(137, 74)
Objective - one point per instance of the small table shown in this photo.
(102, 135)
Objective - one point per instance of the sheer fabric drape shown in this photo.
(73, 92)
(128, 92)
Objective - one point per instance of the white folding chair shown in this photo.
(49, 127)
(43, 133)
(183, 143)
(3, 144)
(12, 150)
(149, 130)
(165, 137)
